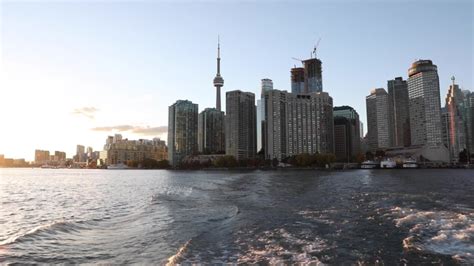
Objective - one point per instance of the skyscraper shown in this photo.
(182, 131)
(424, 104)
(455, 126)
(240, 130)
(307, 79)
(399, 111)
(298, 123)
(313, 81)
(379, 126)
(352, 130)
(218, 80)
(266, 85)
(297, 80)
(211, 131)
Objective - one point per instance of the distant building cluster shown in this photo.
(408, 120)
(43, 157)
(10, 162)
(85, 157)
(404, 121)
(282, 124)
(119, 151)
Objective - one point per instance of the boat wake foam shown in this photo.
(175, 259)
(442, 232)
(281, 247)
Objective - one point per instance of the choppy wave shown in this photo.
(442, 232)
(231, 212)
(49, 229)
(171, 193)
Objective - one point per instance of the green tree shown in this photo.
(369, 155)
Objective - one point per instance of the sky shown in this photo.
(73, 72)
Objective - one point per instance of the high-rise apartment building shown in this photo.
(240, 125)
(41, 157)
(297, 124)
(352, 130)
(211, 138)
(182, 131)
(59, 156)
(424, 104)
(379, 123)
(468, 116)
(399, 110)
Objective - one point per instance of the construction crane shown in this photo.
(316, 47)
(297, 59)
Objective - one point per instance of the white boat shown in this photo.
(410, 163)
(388, 163)
(47, 166)
(369, 164)
(117, 166)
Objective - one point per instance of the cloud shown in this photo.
(150, 130)
(145, 131)
(113, 128)
(88, 112)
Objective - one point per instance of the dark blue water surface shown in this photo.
(158, 217)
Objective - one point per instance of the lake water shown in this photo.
(158, 217)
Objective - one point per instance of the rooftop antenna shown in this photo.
(453, 78)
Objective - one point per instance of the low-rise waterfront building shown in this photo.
(123, 151)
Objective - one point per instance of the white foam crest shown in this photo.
(172, 193)
(270, 249)
(319, 216)
(173, 260)
(31, 232)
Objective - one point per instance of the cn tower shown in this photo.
(218, 80)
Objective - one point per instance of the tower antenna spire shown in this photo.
(218, 80)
